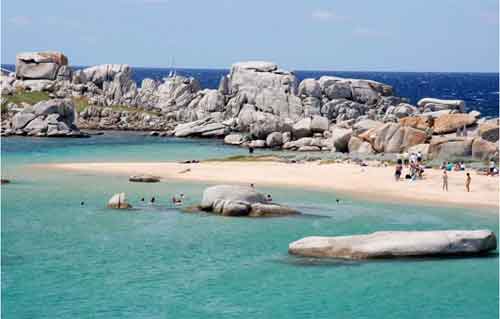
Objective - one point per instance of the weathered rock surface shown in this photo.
(233, 200)
(483, 149)
(448, 148)
(431, 104)
(205, 127)
(449, 123)
(39, 65)
(489, 131)
(274, 139)
(235, 139)
(119, 201)
(391, 244)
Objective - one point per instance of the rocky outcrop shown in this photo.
(40, 65)
(393, 244)
(232, 200)
(108, 118)
(52, 118)
(257, 104)
(119, 201)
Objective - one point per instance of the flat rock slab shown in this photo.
(391, 244)
(144, 179)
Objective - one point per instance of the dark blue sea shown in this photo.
(480, 91)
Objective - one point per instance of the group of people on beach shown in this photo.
(414, 163)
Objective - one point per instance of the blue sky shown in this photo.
(385, 35)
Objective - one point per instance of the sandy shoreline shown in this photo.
(376, 183)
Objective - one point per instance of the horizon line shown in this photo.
(293, 70)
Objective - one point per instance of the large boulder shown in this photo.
(369, 92)
(207, 127)
(235, 139)
(99, 74)
(263, 124)
(39, 65)
(253, 76)
(302, 128)
(233, 200)
(391, 244)
(419, 122)
(21, 119)
(448, 148)
(340, 138)
(364, 125)
(230, 193)
(309, 87)
(358, 146)
(489, 131)
(449, 123)
(431, 104)
(393, 138)
(319, 124)
(274, 139)
(483, 149)
(119, 201)
(338, 90)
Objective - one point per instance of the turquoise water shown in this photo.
(61, 260)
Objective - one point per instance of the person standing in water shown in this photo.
(445, 180)
(467, 182)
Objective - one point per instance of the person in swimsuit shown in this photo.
(445, 180)
(467, 182)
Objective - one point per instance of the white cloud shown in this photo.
(369, 33)
(20, 20)
(326, 15)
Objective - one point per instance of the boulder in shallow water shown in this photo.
(233, 200)
(144, 178)
(390, 244)
(119, 201)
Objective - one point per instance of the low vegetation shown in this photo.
(81, 103)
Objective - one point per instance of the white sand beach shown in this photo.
(375, 183)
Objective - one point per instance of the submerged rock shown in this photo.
(390, 244)
(119, 201)
(144, 178)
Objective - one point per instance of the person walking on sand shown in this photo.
(467, 182)
(445, 180)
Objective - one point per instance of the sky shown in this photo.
(383, 35)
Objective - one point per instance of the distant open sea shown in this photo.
(480, 91)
